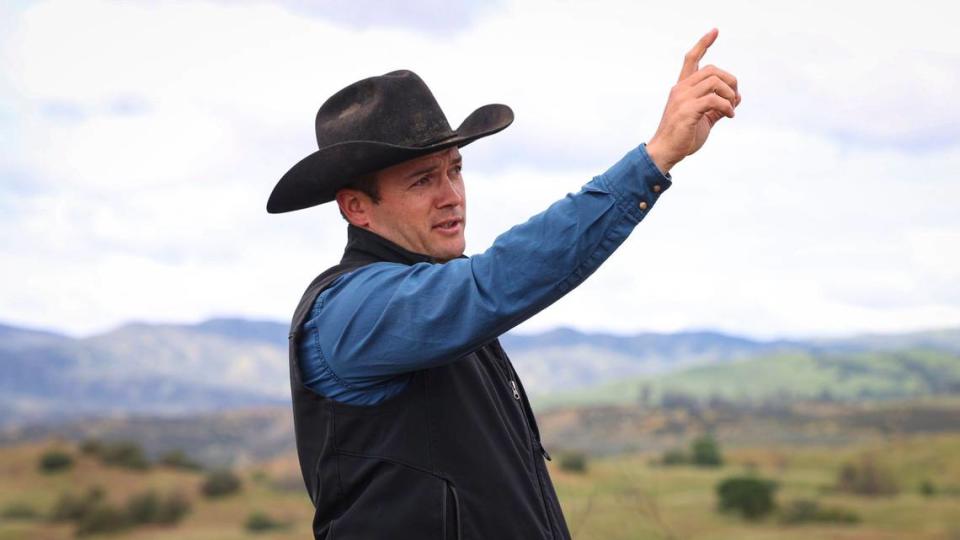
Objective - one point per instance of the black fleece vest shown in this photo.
(456, 455)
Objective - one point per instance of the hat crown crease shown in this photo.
(396, 109)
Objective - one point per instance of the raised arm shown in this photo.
(387, 319)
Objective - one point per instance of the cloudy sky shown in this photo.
(140, 141)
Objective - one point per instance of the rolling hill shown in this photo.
(170, 369)
(809, 375)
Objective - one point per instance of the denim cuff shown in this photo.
(636, 182)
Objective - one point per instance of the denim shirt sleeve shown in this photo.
(377, 324)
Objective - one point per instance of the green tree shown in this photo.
(71, 507)
(125, 454)
(220, 484)
(866, 477)
(102, 518)
(179, 459)
(751, 497)
(258, 522)
(54, 461)
(149, 507)
(705, 452)
(143, 507)
(91, 447)
(573, 462)
(173, 508)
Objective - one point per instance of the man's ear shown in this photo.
(354, 206)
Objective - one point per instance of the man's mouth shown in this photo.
(450, 225)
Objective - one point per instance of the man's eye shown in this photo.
(422, 181)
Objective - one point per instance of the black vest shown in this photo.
(456, 455)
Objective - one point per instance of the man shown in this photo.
(410, 420)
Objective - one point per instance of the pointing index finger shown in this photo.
(692, 60)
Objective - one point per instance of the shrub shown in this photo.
(149, 507)
(261, 522)
(174, 508)
(220, 484)
(93, 515)
(178, 459)
(750, 496)
(125, 454)
(54, 461)
(866, 477)
(927, 489)
(573, 462)
(91, 447)
(674, 457)
(102, 518)
(838, 515)
(705, 452)
(143, 507)
(18, 511)
(800, 511)
(70, 507)
(810, 511)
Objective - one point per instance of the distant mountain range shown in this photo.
(168, 369)
(141, 368)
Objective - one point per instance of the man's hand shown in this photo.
(699, 100)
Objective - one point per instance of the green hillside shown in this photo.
(789, 376)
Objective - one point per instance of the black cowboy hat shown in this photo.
(373, 124)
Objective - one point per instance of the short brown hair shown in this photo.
(366, 184)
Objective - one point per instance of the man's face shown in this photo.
(422, 205)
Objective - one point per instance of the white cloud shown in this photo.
(144, 138)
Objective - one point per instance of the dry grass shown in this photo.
(618, 498)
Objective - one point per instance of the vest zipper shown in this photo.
(516, 394)
(530, 433)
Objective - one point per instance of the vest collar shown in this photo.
(366, 247)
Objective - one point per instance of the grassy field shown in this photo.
(629, 498)
(622, 497)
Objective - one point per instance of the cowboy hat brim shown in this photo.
(317, 177)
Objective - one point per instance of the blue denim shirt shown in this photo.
(375, 325)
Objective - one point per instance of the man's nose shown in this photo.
(451, 192)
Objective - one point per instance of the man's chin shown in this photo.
(448, 253)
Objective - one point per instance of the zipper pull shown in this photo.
(544, 452)
(516, 391)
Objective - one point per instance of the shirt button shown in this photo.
(643, 205)
(656, 188)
